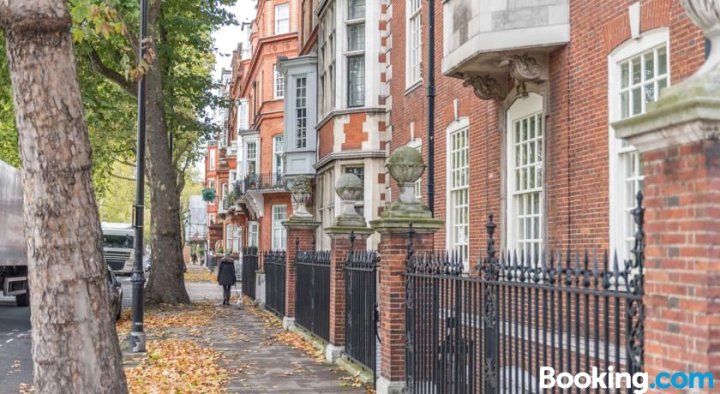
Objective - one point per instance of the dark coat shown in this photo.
(226, 272)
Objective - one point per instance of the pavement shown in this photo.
(261, 363)
(247, 336)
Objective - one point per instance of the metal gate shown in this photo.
(361, 308)
(249, 266)
(312, 292)
(490, 328)
(274, 263)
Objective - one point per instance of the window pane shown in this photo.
(624, 109)
(625, 75)
(649, 65)
(636, 74)
(650, 92)
(356, 37)
(636, 101)
(356, 9)
(662, 61)
(356, 81)
(662, 84)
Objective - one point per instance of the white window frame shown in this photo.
(524, 108)
(278, 84)
(279, 232)
(228, 238)
(223, 193)
(253, 234)
(254, 158)
(462, 125)
(285, 28)
(212, 159)
(237, 239)
(301, 112)
(355, 54)
(278, 155)
(413, 42)
(242, 115)
(621, 225)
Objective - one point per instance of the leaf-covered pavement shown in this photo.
(206, 348)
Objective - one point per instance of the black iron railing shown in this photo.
(361, 309)
(312, 292)
(274, 263)
(258, 182)
(491, 329)
(249, 266)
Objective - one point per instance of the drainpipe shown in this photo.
(431, 107)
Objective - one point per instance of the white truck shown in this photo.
(13, 247)
(118, 239)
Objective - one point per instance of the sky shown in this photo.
(227, 38)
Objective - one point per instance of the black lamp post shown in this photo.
(137, 333)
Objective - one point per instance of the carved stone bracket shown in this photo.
(487, 87)
(524, 69)
(521, 70)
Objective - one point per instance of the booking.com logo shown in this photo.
(610, 379)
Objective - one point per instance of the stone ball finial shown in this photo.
(706, 15)
(406, 165)
(349, 187)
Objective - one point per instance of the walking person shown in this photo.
(226, 276)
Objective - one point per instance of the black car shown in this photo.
(116, 293)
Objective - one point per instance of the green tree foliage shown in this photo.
(105, 34)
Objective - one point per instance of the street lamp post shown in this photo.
(137, 333)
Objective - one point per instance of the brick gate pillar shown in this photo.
(402, 218)
(300, 236)
(349, 231)
(679, 139)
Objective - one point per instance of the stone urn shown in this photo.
(301, 192)
(350, 190)
(706, 15)
(406, 166)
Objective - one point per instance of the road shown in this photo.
(15, 343)
(15, 356)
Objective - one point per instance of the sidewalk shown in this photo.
(235, 349)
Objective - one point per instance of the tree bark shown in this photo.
(166, 283)
(74, 343)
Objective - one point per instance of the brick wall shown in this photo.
(681, 276)
(576, 157)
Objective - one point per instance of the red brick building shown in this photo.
(525, 94)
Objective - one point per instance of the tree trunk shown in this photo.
(166, 283)
(74, 343)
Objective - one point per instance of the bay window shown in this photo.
(355, 54)
(301, 112)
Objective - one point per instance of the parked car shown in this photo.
(116, 293)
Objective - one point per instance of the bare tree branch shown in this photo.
(122, 177)
(111, 74)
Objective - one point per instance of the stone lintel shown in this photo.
(396, 225)
(340, 232)
(301, 223)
